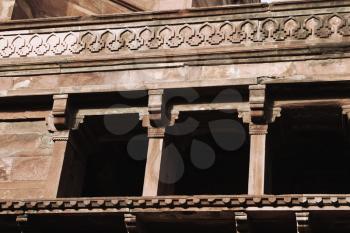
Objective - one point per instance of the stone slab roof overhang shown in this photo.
(252, 33)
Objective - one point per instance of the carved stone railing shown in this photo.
(238, 28)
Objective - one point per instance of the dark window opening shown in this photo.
(210, 150)
(308, 152)
(106, 156)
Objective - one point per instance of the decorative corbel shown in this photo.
(346, 111)
(241, 222)
(156, 108)
(257, 95)
(59, 117)
(272, 114)
(244, 114)
(303, 222)
(156, 120)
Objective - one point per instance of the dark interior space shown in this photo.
(309, 152)
(107, 158)
(211, 153)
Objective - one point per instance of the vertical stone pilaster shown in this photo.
(60, 140)
(58, 124)
(256, 181)
(151, 186)
(6, 9)
(156, 122)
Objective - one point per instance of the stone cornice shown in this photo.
(226, 32)
(177, 203)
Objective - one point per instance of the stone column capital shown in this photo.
(257, 129)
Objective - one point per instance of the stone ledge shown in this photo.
(179, 203)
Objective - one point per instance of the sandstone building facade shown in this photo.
(174, 116)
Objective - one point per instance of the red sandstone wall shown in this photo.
(25, 156)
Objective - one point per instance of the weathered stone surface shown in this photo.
(5, 168)
(30, 169)
(280, 72)
(6, 8)
(25, 157)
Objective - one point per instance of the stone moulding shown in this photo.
(181, 203)
(274, 26)
(181, 36)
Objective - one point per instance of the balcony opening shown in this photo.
(308, 152)
(209, 154)
(105, 157)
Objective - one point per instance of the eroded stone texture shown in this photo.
(6, 8)
(25, 156)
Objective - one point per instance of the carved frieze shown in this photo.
(172, 36)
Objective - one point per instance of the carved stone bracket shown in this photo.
(272, 114)
(241, 221)
(244, 114)
(130, 223)
(156, 107)
(59, 117)
(303, 222)
(346, 111)
(157, 120)
(257, 102)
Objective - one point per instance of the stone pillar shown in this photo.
(6, 9)
(156, 122)
(60, 140)
(151, 185)
(58, 124)
(257, 159)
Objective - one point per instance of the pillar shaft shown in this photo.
(152, 174)
(257, 159)
(6, 9)
(58, 156)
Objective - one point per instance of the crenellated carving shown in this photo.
(281, 29)
(60, 136)
(59, 117)
(241, 222)
(303, 222)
